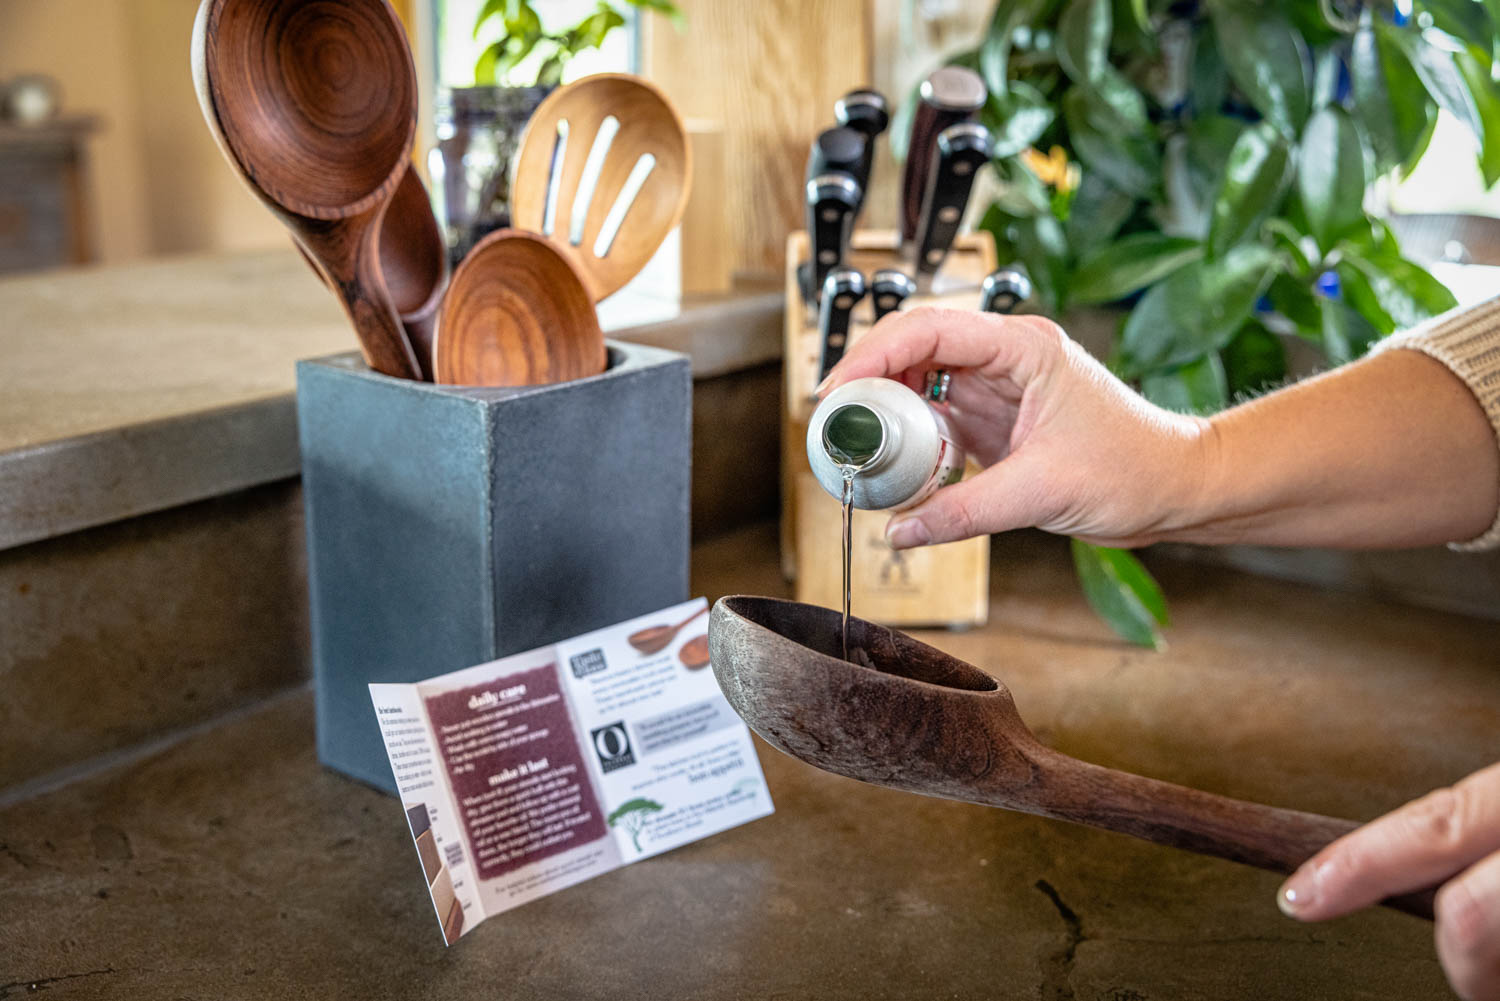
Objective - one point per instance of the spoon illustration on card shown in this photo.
(657, 637)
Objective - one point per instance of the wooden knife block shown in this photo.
(945, 585)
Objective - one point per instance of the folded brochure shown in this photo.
(540, 770)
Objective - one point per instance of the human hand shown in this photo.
(1451, 836)
(1067, 446)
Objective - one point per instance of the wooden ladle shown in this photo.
(314, 102)
(604, 171)
(928, 723)
(516, 314)
(657, 637)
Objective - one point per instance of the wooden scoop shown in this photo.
(314, 102)
(516, 314)
(657, 637)
(604, 171)
(928, 723)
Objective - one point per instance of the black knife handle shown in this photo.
(1003, 291)
(839, 148)
(961, 150)
(843, 288)
(832, 200)
(950, 95)
(889, 288)
(867, 113)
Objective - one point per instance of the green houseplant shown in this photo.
(523, 34)
(1220, 157)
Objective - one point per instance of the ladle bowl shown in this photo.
(923, 721)
(516, 314)
(314, 102)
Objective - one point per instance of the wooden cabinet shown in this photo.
(44, 215)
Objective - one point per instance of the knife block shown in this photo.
(449, 526)
(944, 585)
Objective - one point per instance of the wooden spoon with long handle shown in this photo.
(314, 102)
(928, 723)
(657, 637)
(604, 171)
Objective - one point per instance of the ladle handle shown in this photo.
(1266, 837)
(349, 255)
(690, 618)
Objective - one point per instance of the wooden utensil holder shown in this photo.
(934, 585)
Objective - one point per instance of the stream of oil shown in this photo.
(848, 499)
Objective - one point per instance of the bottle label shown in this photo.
(948, 470)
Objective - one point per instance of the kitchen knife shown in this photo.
(832, 200)
(838, 148)
(1003, 291)
(842, 290)
(961, 150)
(950, 95)
(866, 112)
(889, 288)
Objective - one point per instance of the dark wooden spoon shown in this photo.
(413, 262)
(928, 723)
(314, 102)
(657, 637)
(516, 314)
(694, 653)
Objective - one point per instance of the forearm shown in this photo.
(1393, 450)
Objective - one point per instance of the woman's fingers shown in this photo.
(1468, 931)
(1419, 845)
(949, 338)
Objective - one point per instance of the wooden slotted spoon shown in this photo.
(925, 722)
(604, 171)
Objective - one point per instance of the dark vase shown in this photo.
(479, 133)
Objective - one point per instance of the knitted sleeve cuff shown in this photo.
(1467, 341)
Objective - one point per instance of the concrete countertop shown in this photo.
(231, 865)
(137, 388)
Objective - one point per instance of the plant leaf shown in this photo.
(1083, 34)
(1043, 248)
(1331, 176)
(1210, 80)
(1121, 592)
(1097, 213)
(1256, 178)
(1294, 300)
(1486, 96)
(1402, 292)
(1196, 387)
(1465, 20)
(1389, 101)
(1254, 361)
(1130, 163)
(1440, 76)
(1267, 60)
(1118, 269)
(1196, 310)
(1346, 334)
(489, 10)
(1016, 120)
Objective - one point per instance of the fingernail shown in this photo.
(823, 386)
(1298, 894)
(905, 533)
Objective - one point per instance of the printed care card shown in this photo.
(538, 771)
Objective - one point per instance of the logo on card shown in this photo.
(587, 663)
(612, 744)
